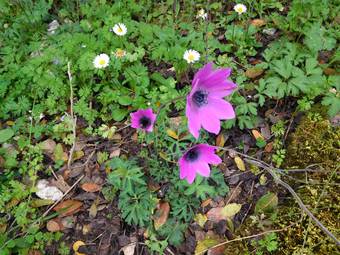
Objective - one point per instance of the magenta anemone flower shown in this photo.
(205, 104)
(197, 160)
(143, 119)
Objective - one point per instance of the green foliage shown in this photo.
(267, 244)
(135, 200)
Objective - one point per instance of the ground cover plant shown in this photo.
(169, 127)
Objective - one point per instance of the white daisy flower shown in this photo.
(202, 14)
(191, 56)
(119, 29)
(240, 8)
(101, 61)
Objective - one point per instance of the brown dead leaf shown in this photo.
(161, 215)
(48, 146)
(34, 252)
(269, 147)
(54, 225)
(329, 71)
(206, 202)
(68, 207)
(257, 134)
(220, 140)
(258, 22)
(115, 153)
(61, 184)
(91, 187)
(129, 249)
(223, 213)
(254, 72)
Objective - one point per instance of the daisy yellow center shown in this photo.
(120, 30)
(102, 62)
(191, 57)
(240, 9)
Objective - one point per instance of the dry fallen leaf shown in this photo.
(93, 209)
(54, 225)
(161, 215)
(129, 249)
(257, 134)
(68, 207)
(200, 219)
(172, 133)
(220, 140)
(258, 22)
(239, 163)
(76, 246)
(91, 187)
(115, 153)
(254, 72)
(48, 146)
(223, 213)
(206, 202)
(269, 147)
(207, 243)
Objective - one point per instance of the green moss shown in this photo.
(314, 141)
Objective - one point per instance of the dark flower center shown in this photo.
(192, 155)
(144, 122)
(200, 98)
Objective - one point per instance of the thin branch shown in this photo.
(68, 191)
(74, 118)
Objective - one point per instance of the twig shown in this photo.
(74, 118)
(231, 196)
(288, 129)
(68, 191)
(247, 237)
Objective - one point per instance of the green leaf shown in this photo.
(125, 100)
(119, 114)
(6, 134)
(267, 203)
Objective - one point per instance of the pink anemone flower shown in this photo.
(143, 119)
(197, 160)
(205, 104)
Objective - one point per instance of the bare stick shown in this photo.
(74, 118)
(68, 191)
